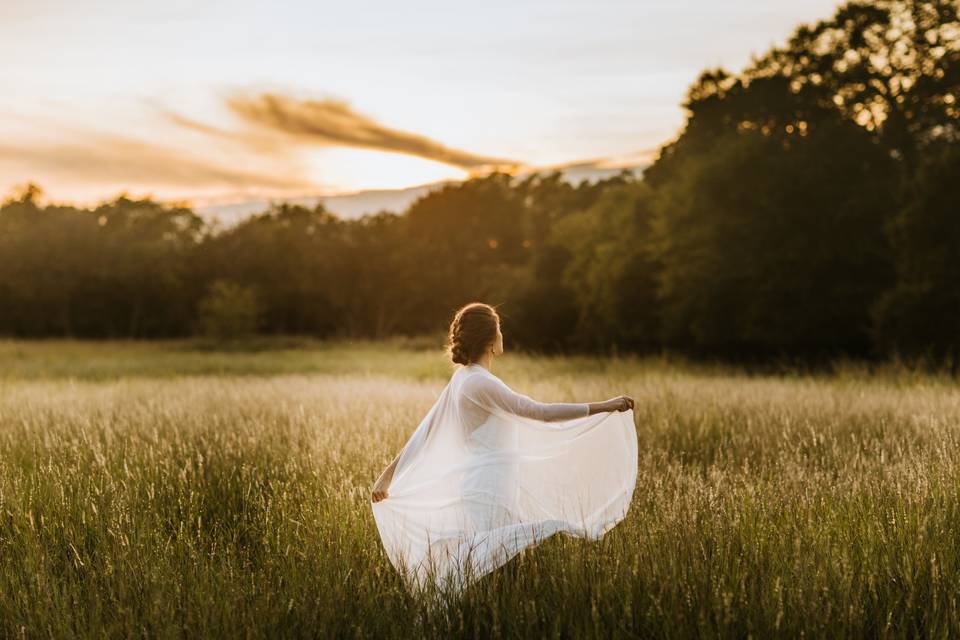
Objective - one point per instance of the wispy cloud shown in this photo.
(333, 122)
(257, 141)
(636, 160)
(260, 157)
(110, 158)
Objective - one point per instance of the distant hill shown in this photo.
(354, 205)
(349, 205)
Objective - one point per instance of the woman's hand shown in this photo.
(383, 482)
(380, 488)
(620, 403)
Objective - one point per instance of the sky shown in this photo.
(220, 101)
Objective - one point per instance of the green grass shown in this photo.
(171, 490)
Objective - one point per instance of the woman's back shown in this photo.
(489, 472)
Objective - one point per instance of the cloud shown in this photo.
(637, 159)
(333, 122)
(256, 141)
(109, 158)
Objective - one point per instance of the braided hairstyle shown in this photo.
(473, 330)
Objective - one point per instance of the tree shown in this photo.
(376, 299)
(466, 241)
(891, 66)
(921, 314)
(293, 256)
(769, 223)
(540, 308)
(122, 269)
(612, 271)
(228, 311)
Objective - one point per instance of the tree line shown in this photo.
(809, 207)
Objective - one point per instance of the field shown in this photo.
(164, 490)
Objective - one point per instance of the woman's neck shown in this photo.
(485, 361)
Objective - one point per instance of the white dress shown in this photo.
(490, 472)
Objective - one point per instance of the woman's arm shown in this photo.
(490, 392)
(620, 403)
(525, 406)
(383, 482)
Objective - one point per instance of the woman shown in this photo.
(490, 472)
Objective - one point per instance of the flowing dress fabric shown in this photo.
(489, 472)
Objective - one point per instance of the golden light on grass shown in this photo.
(159, 487)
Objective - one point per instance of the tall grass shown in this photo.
(162, 491)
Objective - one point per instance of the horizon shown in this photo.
(216, 105)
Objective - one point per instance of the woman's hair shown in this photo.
(473, 330)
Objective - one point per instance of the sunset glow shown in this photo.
(170, 99)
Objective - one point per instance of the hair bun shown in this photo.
(458, 354)
(472, 331)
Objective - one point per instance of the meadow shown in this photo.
(170, 489)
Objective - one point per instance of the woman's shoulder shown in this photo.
(477, 370)
(480, 379)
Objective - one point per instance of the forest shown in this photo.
(809, 207)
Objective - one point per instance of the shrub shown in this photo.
(228, 311)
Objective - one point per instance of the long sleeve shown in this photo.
(490, 392)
